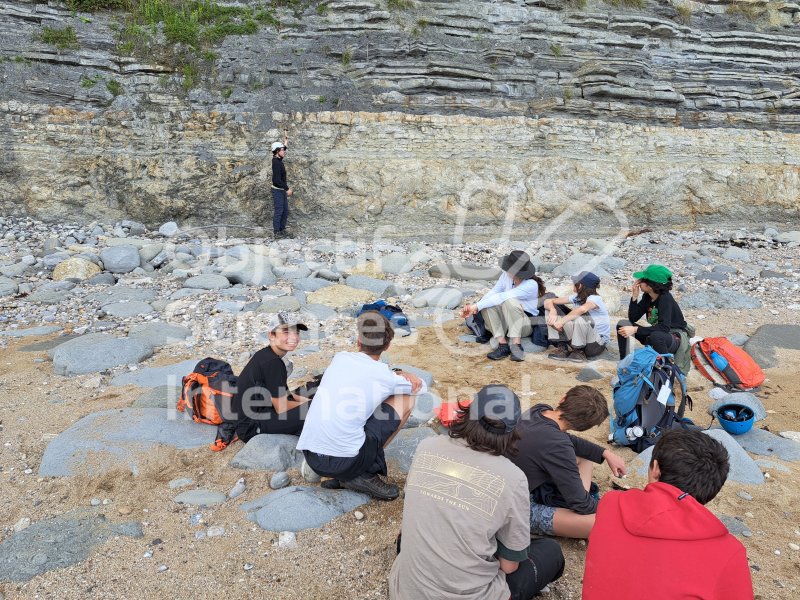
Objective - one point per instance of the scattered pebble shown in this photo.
(95, 502)
(777, 552)
(287, 539)
(279, 480)
(124, 510)
(162, 568)
(148, 554)
(22, 524)
(238, 489)
(358, 515)
(248, 567)
(793, 546)
(744, 495)
(215, 531)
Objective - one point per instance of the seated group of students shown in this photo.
(482, 502)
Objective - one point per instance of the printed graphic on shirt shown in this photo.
(652, 315)
(456, 483)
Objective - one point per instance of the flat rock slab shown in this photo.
(56, 544)
(761, 345)
(589, 374)
(125, 310)
(274, 305)
(200, 498)
(49, 345)
(269, 452)
(255, 271)
(115, 294)
(339, 296)
(771, 464)
(8, 287)
(581, 262)
(745, 399)
(208, 281)
(162, 396)
(465, 271)
(160, 334)
(311, 284)
(97, 352)
(734, 525)
(719, 299)
(765, 443)
(116, 438)
(742, 468)
(400, 452)
(379, 287)
(30, 331)
(530, 348)
(169, 375)
(297, 508)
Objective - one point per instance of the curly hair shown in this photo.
(479, 438)
(659, 288)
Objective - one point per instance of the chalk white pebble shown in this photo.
(358, 515)
(794, 547)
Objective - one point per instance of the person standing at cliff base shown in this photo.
(280, 190)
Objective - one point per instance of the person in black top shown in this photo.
(559, 465)
(263, 402)
(280, 189)
(659, 308)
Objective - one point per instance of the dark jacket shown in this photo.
(279, 174)
(663, 315)
(548, 455)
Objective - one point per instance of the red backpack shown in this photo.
(207, 391)
(726, 365)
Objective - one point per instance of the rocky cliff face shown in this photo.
(412, 116)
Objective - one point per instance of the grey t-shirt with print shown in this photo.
(461, 507)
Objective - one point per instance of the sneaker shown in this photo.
(483, 339)
(577, 356)
(561, 353)
(499, 353)
(374, 486)
(517, 353)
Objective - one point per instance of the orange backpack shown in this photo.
(207, 391)
(726, 365)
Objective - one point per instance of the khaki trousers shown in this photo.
(579, 333)
(507, 320)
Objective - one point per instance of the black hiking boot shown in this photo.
(499, 353)
(374, 486)
(517, 353)
(483, 339)
(331, 484)
(578, 356)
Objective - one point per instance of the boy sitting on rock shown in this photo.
(359, 407)
(558, 465)
(664, 534)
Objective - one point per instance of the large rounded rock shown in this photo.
(209, 281)
(8, 287)
(299, 507)
(125, 310)
(339, 296)
(120, 259)
(94, 353)
(254, 270)
(438, 297)
(75, 268)
(269, 452)
(273, 305)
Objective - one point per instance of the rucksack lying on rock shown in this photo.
(207, 391)
(725, 365)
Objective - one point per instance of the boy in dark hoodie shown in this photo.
(676, 547)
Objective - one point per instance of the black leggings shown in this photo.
(545, 563)
(662, 342)
(291, 422)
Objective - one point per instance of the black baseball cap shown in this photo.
(499, 403)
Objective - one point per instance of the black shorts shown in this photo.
(370, 458)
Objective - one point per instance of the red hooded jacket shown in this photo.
(652, 544)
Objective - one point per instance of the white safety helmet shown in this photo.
(277, 146)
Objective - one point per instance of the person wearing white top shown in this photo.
(359, 407)
(508, 307)
(584, 331)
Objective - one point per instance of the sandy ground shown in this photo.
(347, 559)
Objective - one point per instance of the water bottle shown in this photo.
(720, 362)
(634, 433)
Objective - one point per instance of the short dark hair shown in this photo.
(374, 332)
(693, 462)
(659, 288)
(479, 438)
(584, 407)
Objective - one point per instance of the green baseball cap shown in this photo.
(656, 273)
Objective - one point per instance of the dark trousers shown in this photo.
(662, 342)
(291, 423)
(280, 213)
(545, 563)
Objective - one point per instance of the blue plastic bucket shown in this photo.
(735, 418)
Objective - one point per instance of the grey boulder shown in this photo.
(764, 443)
(297, 508)
(438, 297)
(762, 344)
(160, 334)
(255, 271)
(97, 352)
(8, 287)
(581, 262)
(380, 287)
(31, 331)
(743, 398)
(115, 294)
(124, 310)
(400, 453)
(719, 299)
(465, 271)
(120, 259)
(269, 452)
(200, 497)
(120, 438)
(209, 281)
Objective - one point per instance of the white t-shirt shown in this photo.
(527, 292)
(353, 386)
(602, 324)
